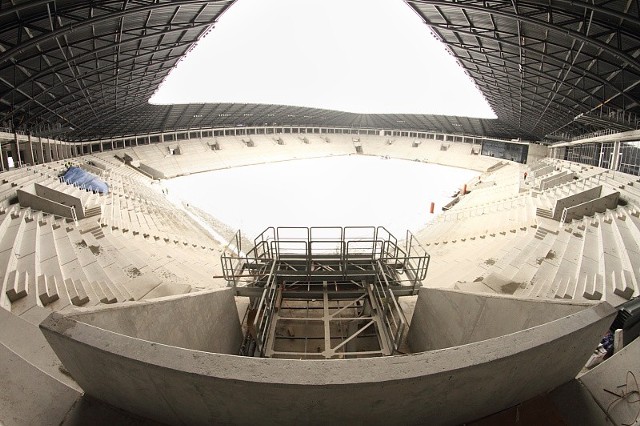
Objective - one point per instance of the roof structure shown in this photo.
(561, 67)
(85, 70)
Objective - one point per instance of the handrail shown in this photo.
(74, 216)
(392, 316)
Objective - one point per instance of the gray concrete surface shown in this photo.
(617, 375)
(575, 199)
(205, 321)
(599, 205)
(28, 396)
(27, 198)
(453, 318)
(447, 386)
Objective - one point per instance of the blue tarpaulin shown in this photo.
(77, 176)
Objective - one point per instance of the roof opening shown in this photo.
(362, 56)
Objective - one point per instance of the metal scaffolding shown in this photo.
(325, 292)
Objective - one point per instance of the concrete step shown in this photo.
(593, 287)
(17, 285)
(76, 292)
(47, 289)
(542, 212)
(101, 292)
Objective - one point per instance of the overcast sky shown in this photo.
(363, 56)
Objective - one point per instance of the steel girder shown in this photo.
(85, 69)
(542, 63)
(66, 65)
(183, 117)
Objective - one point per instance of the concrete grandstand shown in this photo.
(122, 308)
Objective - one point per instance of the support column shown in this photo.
(54, 150)
(47, 152)
(17, 160)
(29, 154)
(615, 161)
(101, 146)
(113, 146)
(2, 159)
(41, 146)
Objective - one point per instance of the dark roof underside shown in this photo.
(540, 64)
(85, 70)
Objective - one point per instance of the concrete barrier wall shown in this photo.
(205, 322)
(446, 319)
(92, 169)
(614, 375)
(154, 173)
(449, 386)
(536, 152)
(61, 198)
(599, 205)
(550, 177)
(29, 199)
(543, 171)
(574, 200)
(556, 180)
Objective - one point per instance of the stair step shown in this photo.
(76, 292)
(593, 287)
(17, 285)
(47, 289)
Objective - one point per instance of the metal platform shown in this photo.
(324, 292)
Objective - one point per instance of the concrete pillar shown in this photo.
(41, 150)
(101, 146)
(29, 154)
(615, 161)
(54, 150)
(2, 159)
(17, 159)
(90, 148)
(47, 151)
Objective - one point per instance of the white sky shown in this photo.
(363, 56)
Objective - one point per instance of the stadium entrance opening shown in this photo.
(324, 292)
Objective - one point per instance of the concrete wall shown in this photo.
(599, 205)
(92, 169)
(564, 177)
(452, 318)
(536, 153)
(613, 375)
(449, 386)
(29, 199)
(543, 171)
(61, 198)
(154, 173)
(574, 200)
(205, 322)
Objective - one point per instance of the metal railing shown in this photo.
(302, 251)
(394, 322)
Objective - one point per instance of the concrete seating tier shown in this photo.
(48, 262)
